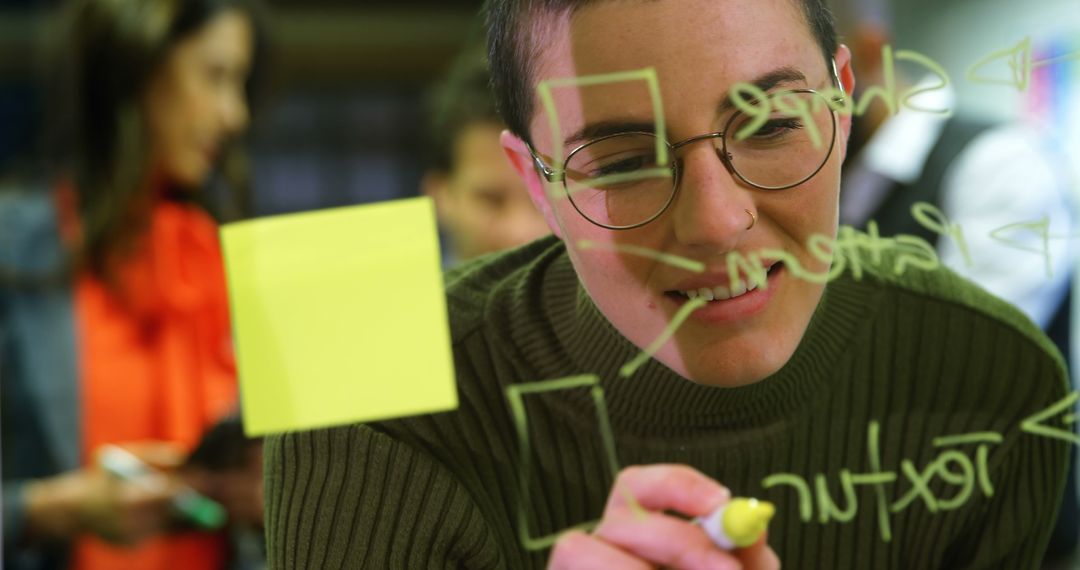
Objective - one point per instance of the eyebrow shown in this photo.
(610, 127)
(600, 129)
(767, 82)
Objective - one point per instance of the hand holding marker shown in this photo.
(201, 511)
(737, 524)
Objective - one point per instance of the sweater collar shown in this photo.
(656, 400)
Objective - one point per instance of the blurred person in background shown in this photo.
(482, 204)
(114, 323)
(983, 176)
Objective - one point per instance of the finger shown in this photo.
(579, 551)
(664, 540)
(154, 489)
(667, 487)
(158, 454)
(759, 556)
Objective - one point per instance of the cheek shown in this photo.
(808, 210)
(619, 294)
(172, 136)
(618, 282)
(168, 126)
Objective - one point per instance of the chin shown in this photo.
(733, 367)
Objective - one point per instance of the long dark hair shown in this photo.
(111, 49)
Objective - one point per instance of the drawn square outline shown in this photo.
(648, 75)
(514, 394)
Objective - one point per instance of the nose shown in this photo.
(710, 209)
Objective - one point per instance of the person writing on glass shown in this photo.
(114, 323)
(771, 375)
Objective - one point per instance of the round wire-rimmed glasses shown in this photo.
(619, 181)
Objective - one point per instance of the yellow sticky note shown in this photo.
(339, 316)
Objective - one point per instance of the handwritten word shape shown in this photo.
(951, 466)
(305, 291)
(759, 105)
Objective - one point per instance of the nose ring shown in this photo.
(753, 219)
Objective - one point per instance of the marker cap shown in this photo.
(739, 523)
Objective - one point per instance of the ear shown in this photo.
(436, 185)
(845, 70)
(521, 159)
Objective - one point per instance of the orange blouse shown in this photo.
(156, 363)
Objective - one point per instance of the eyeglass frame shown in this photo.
(552, 175)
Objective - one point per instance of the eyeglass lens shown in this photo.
(618, 182)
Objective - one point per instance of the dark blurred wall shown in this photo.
(341, 121)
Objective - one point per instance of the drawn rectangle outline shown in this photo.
(648, 75)
(514, 394)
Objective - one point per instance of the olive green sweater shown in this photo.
(843, 439)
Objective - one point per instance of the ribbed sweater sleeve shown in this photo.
(354, 498)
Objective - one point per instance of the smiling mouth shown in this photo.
(721, 292)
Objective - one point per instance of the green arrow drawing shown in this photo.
(1033, 423)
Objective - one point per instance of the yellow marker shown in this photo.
(739, 523)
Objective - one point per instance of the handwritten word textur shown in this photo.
(956, 468)
(952, 466)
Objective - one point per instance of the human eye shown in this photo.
(778, 128)
(621, 163)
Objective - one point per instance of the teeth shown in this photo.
(721, 292)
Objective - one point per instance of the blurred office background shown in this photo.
(344, 120)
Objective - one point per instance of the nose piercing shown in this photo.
(753, 219)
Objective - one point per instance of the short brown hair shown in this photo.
(513, 49)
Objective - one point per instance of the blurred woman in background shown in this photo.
(114, 320)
